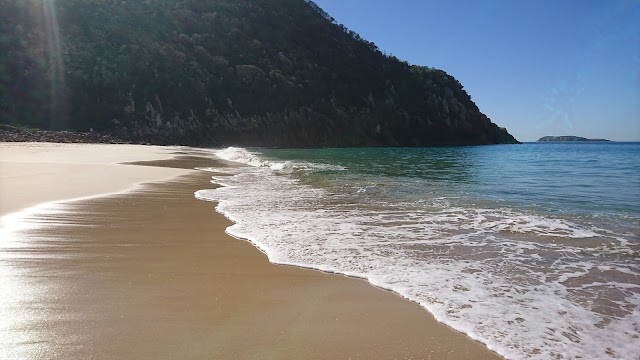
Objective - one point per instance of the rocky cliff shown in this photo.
(219, 72)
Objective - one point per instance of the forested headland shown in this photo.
(222, 72)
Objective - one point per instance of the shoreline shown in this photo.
(261, 310)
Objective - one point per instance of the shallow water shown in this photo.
(532, 249)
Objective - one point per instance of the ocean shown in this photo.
(531, 249)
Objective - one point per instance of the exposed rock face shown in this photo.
(566, 138)
(226, 72)
(11, 134)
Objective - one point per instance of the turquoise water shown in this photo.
(601, 178)
(532, 249)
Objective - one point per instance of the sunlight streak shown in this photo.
(56, 63)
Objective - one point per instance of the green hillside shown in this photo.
(220, 72)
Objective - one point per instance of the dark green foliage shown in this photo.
(247, 72)
(24, 96)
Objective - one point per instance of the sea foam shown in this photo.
(527, 285)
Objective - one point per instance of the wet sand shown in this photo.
(150, 274)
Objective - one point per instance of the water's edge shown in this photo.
(526, 340)
(359, 277)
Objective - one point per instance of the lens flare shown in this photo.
(58, 118)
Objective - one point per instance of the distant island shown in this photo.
(567, 138)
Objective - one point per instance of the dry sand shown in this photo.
(33, 173)
(150, 274)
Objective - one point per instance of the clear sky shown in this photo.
(537, 67)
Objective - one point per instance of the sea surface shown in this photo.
(532, 249)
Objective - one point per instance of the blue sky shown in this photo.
(537, 67)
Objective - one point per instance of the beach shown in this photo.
(146, 271)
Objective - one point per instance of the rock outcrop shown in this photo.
(14, 134)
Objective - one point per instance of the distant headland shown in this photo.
(567, 138)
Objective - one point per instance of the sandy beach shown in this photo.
(145, 271)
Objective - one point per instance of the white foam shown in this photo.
(242, 156)
(496, 274)
(247, 157)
